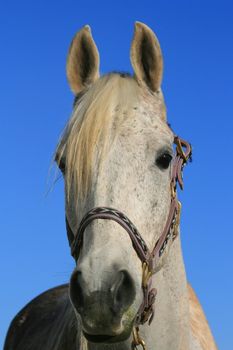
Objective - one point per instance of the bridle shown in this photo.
(149, 259)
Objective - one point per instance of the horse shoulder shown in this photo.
(47, 322)
(199, 325)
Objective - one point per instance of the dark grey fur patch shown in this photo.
(122, 74)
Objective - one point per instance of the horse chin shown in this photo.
(106, 338)
(106, 333)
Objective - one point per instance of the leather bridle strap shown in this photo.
(149, 259)
(115, 215)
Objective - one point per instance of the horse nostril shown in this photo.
(123, 291)
(76, 290)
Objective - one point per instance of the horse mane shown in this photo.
(97, 116)
(198, 322)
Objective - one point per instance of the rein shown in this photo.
(149, 259)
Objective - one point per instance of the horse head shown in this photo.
(116, 152)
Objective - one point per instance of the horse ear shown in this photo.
(82, 67)
(146, 57)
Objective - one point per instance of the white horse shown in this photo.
(117, 152)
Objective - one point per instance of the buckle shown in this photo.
(179, 149)
(137, 340)
(146, 274)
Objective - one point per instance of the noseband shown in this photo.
(149, 259)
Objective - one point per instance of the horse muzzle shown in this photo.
(105, 312)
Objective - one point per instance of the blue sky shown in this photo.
(197, 43)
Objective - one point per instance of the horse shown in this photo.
(129, 288)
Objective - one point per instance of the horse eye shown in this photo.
(164, 160)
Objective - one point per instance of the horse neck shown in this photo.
(170, 326)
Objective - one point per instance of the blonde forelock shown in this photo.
(92, 128)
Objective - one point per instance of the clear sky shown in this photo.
(197, 43)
